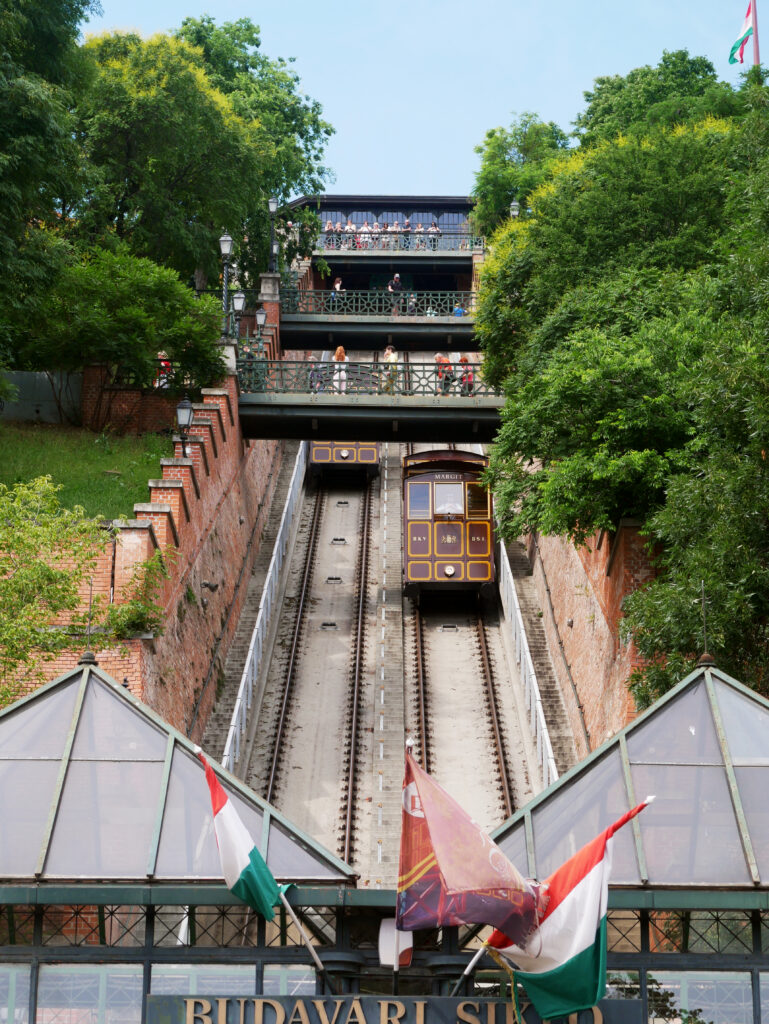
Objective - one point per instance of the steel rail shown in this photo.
(298, 623)
(419, 653)
(360, 631)
(488, 675)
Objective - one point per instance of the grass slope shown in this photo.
(103, 473)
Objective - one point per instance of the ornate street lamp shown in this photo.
(184, 416)
(261, 319)
(272, 204)
(225, 248)
(515, 208)
(238, 305)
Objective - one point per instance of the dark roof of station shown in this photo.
(703, 752)
(343, 199)
(96, 786)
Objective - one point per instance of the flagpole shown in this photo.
(754, 16)
(312, 951)
(468, 970)
(396, 961)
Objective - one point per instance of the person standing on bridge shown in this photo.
(445, 372)
(390, 358)
(395, 288)
(340, 370)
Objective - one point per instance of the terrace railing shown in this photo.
(262, 376)
(327, 302)
(403, 241)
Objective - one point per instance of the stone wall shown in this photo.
(206, 512)
(581, 591)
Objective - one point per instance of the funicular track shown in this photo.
(307, 748)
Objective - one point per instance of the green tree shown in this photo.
(679, 89)
(120, 309)
(171, 162)
(266, 94)
(514, 161)
(47, 554)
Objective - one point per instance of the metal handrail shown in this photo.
(351, 302)
(532, 696)
(283, 376)
(239, 720)
(411, 241)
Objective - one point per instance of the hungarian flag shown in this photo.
(243, 867)
(451, 872)
(738, 48)
(563, 964)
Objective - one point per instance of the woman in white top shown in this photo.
(340, 370)
(349, 235)
(376, 231)
(419, 236)
(365, 231)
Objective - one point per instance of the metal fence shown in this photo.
(239, 721)
(282, 376)
(534, 709)
(378, 303)
(403, 241)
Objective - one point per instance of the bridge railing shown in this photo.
(533, 698)
(326, 301)
(282, 376)
(244, 699)
(404, 241)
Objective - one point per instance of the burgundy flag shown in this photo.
(450, 871)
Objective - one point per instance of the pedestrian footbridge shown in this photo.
(365, 401)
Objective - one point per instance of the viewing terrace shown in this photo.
(415, 242)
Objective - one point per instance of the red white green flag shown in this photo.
(243, 867)
(451, 872)
(736, 55)
(563, 964)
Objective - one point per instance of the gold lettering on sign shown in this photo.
(419, 1005)
(299, 1014)
(467, 1017)
(510, 1013)
(242, 1014)
(491, 1013)
(259, 1005)
(356, 1012)
(320, 1006)
(221, 1011)
(203, 1014)
(385, 1017)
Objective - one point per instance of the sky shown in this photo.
(411, 86)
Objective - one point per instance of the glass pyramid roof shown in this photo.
(94, 785)
(703, 752)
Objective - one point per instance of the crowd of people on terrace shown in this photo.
(381, 236)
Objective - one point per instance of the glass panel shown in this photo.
(680, 733)
(106, 820)
(477, 501)
(288, 858)
(40, 728)
(17, 926)
(719, 997)
(110, 728)
(746, 725)
(14, 993)
(764, 986)
(24, 821)
(449, 499)
(623, 985)
(623, 931)
(288, 980)
(514, 848)
(419, 501)
(94, 926)
(751, 783)
(187, 844)
(578, 813)
(689, 833)
(89, 994)
(200, 980)
(700, 931)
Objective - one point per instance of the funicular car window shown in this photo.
(419, 501)
(477, 502)
(449, 499)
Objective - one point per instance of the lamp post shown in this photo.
(272, 204)
(184, 417)
(238, 305)
(515, 208)
(261, 319)
(225, 248)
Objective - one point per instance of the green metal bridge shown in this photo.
(366, 401)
